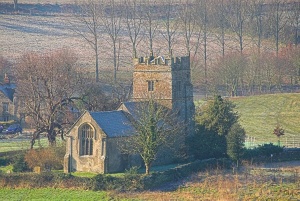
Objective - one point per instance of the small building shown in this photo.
(9, 108)
(93, 143)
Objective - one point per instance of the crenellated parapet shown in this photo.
(173, 62)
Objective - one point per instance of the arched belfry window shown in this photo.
(86, 138)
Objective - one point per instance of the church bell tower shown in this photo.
(168, 81)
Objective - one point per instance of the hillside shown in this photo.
(260, 114)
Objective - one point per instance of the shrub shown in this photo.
(4, 161)
(262, 152)
(235, 142)
(20, 164)
(132, 180)
(207, 144)
(268, 149)
(250, 153)
(104, 182)
(46, 158)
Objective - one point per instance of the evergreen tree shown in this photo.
(217, 115)
(206, 144)
(213, 122)
(235, 142)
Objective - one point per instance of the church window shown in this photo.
(150, 85)
(86, 136)
(5, 107)
(103, 147)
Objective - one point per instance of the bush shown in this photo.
(46, 158)
(4, 161)
(250, 153)
(132, 180)
(262, 151)
(207, 144)
(45, 179)
(235, 142)
(20, 165)
(268, 149)
(104, 182)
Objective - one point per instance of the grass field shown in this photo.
(23, 144)
(51, 194)
(42, 1)
(260, 114)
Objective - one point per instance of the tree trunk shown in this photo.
(97, 61)
(147, 168)
(115, 61)
(15, 4)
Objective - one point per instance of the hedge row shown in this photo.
(177, 173)
(45, 179)
(106, 182)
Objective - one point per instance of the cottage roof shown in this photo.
(113, 123)
(8, 90)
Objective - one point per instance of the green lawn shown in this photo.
(13, 146)
(51, 194)
(22, 144)
(260, 114)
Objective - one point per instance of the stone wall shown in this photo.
(106, 157)
(172, 84)
(91, 163)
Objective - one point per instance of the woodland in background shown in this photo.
(237, 47)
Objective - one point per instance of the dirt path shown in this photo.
(287, 164)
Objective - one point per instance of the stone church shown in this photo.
(92, 143)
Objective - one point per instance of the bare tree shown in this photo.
(294, 20)
(15, 4)
(277, 20)
(268, 75)
(253, 72)
(112, 26)
(150, 23)
(257, 19)
(94, 98)
(219, 22)
(156, 128)
(237, 14)
(202, 8)
(191, 30)
(133, 20)
(188, 24)
(170, 25)
(230, 71)
(87, 26)
(47, 86)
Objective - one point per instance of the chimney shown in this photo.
(6, 79)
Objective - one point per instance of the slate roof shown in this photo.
(8, 90)
(113, 123)
(134, 107)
